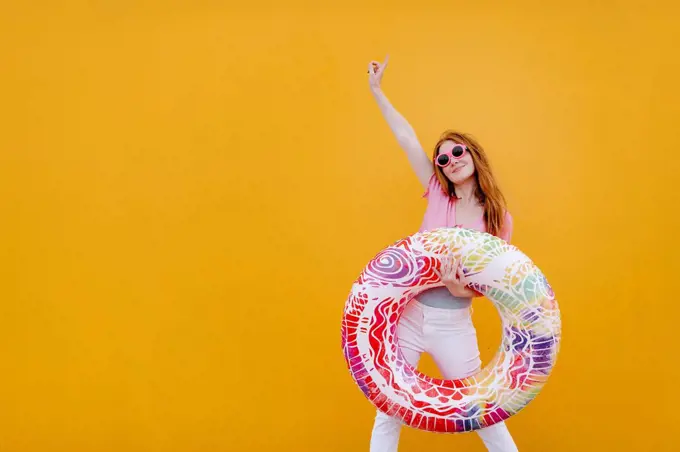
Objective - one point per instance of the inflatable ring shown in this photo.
(530, 320)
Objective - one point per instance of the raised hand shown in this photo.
(376, 71)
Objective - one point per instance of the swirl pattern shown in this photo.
(527, 354)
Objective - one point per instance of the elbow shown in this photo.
(408, 142)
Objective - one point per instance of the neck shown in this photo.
(465, 192)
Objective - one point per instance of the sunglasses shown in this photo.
(445, 158)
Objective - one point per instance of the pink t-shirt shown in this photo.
(441, 212)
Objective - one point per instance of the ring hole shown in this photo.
(487, 323)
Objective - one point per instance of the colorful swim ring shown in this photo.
(530, 320)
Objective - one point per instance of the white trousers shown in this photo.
(449, 336)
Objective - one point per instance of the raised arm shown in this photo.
(402, 130)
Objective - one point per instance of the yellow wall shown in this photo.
(188, 190)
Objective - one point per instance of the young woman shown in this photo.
(461, 191)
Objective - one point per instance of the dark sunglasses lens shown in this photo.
(458, 151)
(442, 160)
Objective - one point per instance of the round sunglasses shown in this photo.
(445, 158)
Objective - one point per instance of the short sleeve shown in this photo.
(432, 186)
(506, 230)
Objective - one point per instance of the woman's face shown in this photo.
(459, 169)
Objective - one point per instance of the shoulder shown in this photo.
(434, 188)
(506, 230)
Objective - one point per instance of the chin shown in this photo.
(459, 178)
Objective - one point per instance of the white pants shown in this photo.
(449, 336)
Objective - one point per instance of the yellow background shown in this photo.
(188, 190)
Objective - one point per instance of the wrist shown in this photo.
(473, 293)
(376, 90)
(456, 290)
(461, 291)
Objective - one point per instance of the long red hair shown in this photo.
(488, 193)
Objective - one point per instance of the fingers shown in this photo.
(448, 266)
(453, 265)
(444, 269)
(460, 273)
(437, 272)
(387, 59)
(375, 66)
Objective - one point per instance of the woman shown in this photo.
(461, 191)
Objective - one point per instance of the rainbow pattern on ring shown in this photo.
(530, 320)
